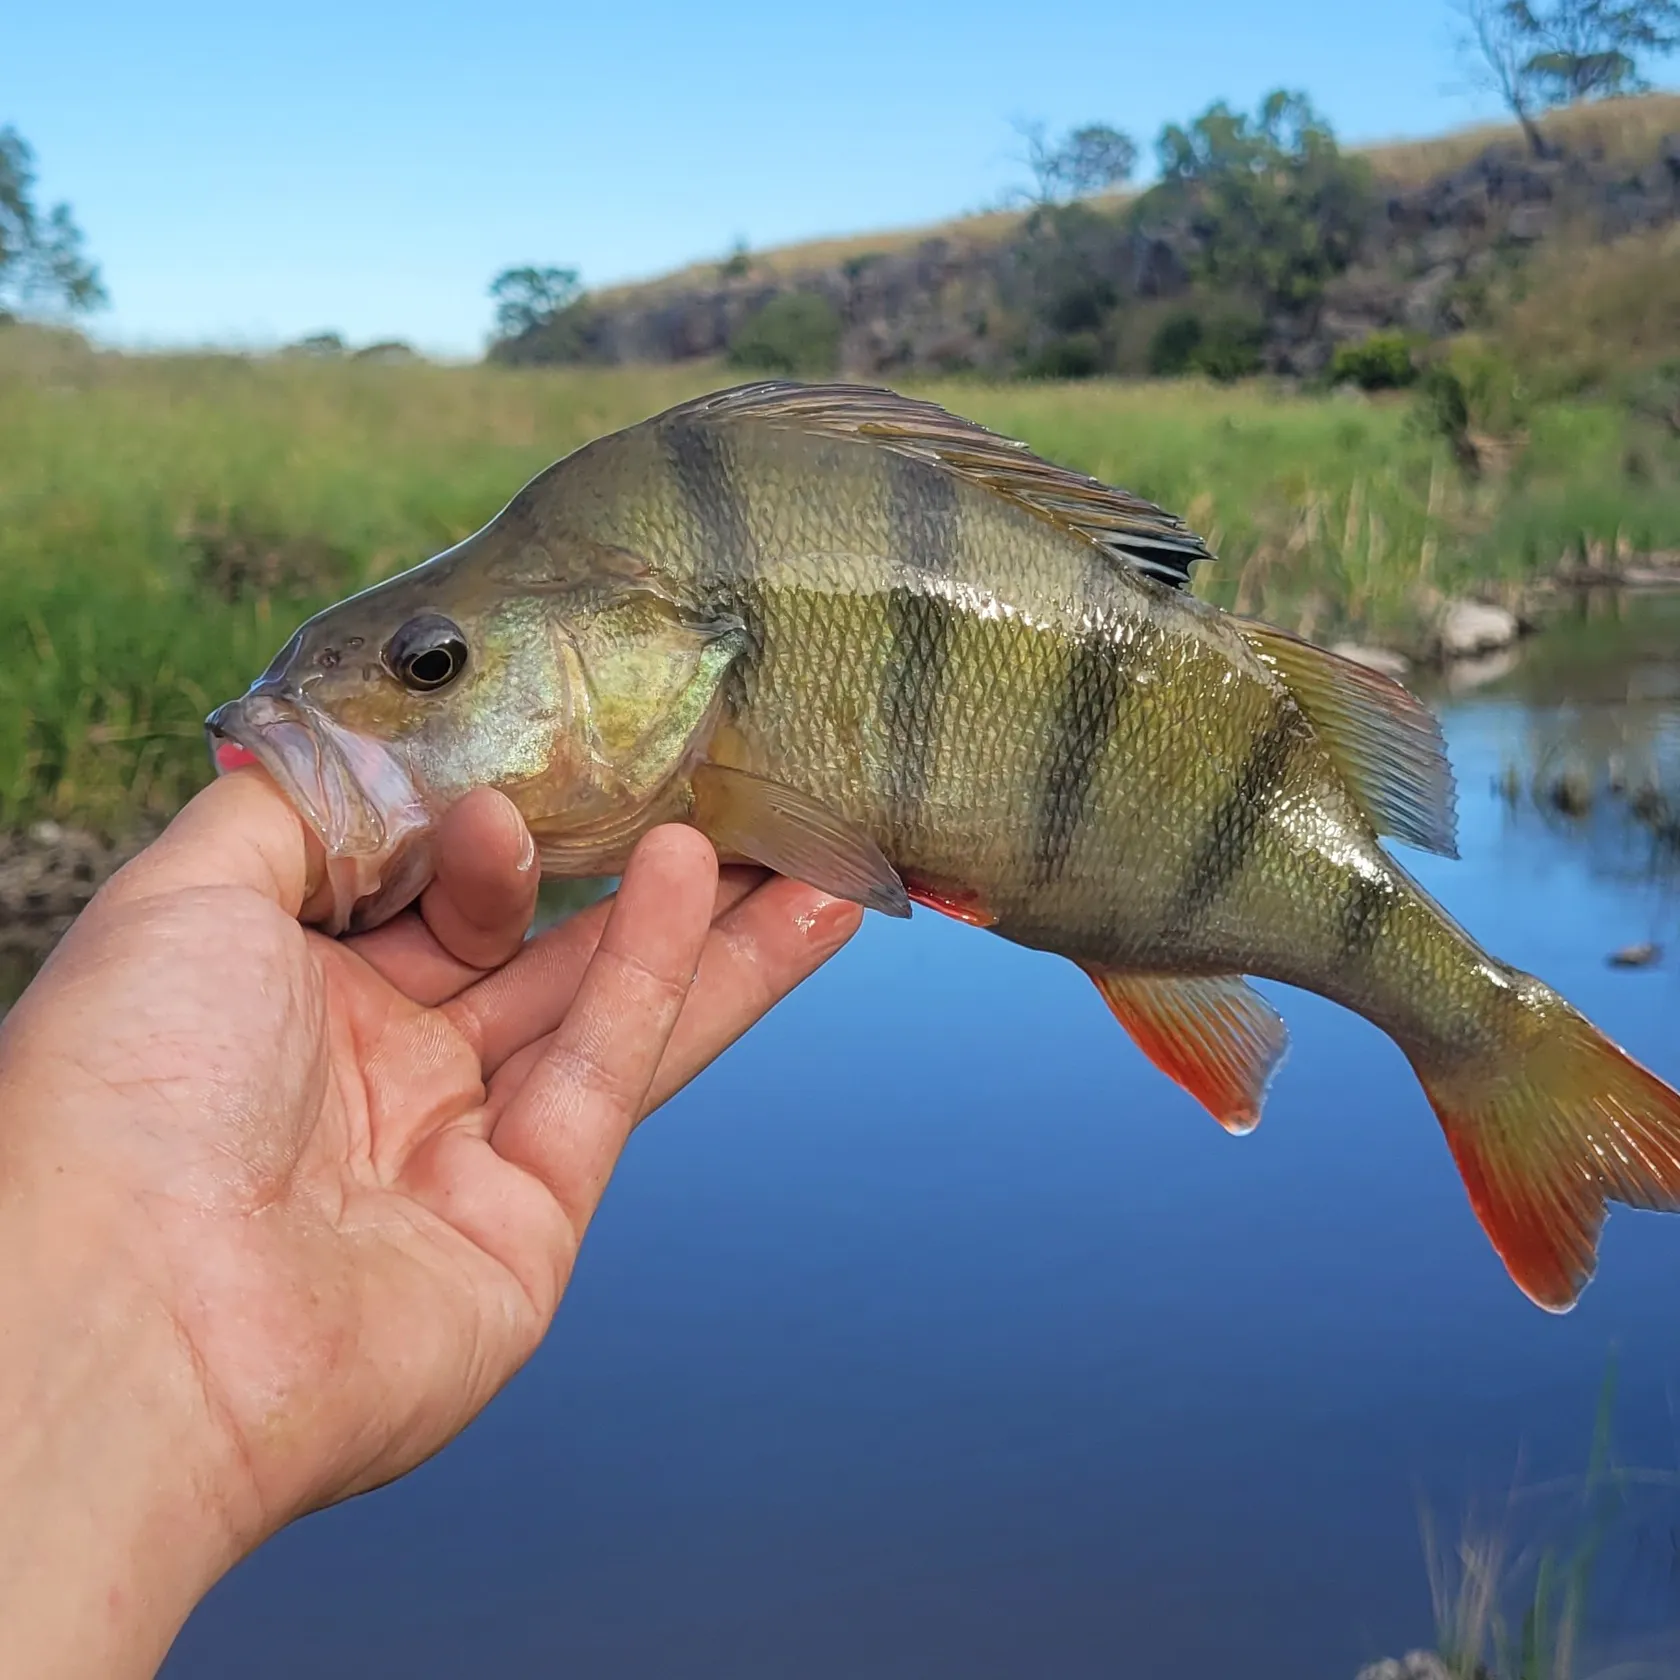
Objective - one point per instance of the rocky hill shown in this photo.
(1446, 225)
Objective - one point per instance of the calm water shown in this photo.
(934, 1333)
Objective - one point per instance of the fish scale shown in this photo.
(866, 643)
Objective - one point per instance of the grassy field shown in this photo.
(166, 521)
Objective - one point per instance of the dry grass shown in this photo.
(1623, 129)
(991, 227)
(1591, 312)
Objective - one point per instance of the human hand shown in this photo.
(279, 1214)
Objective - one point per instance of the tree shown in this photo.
(41, 256)
(1495, 46)
(531, 297)
(1092, 158)
(1556, 52)
(796, 333)
(1273, 206)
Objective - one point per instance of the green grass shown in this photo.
(1333, 515)
(166, 521)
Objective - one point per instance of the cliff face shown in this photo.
(955, 300)
(928, 306)
(1432, 245)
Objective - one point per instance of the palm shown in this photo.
(363, 1168)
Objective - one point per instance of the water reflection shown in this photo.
(1594, 759)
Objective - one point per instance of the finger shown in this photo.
(519, 1004)
(473, 916)
(406, 954)
(755, 956)
(239, 831)
(569, 1122)
(484, 894)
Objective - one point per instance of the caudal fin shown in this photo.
(1544, 1142)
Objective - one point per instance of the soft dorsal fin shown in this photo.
(1136, 533)
(1386, 742)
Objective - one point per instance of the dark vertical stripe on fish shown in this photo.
(925, 507)
(1237, 821)
(924, 514)
(1364, 909)
(1087, 711)
(921, 629)
(726, 560)
(704, 466)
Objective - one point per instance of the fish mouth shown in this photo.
(356, 795)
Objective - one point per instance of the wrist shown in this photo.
(122, 1498)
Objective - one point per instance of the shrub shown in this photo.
(570, 335)
(795, 333)
(1382, 362)
(1230, 347)
(1075, 355)
(1176, 341)
(1223, 346)
(1443, 406)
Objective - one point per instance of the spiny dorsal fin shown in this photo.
(1134, 532)
(1385, 741)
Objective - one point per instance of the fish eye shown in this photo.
(427, 653)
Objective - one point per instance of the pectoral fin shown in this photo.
(791, 833)
(1215, 1035)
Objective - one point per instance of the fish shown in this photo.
(868, 644)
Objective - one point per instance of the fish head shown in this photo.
(571, 687)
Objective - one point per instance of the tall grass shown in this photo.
(166, 521)
(1524, 1593)
(1335, 515)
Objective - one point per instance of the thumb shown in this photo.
(240, 831)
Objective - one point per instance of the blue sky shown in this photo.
(250, 173)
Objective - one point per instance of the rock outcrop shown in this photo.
(947, 302)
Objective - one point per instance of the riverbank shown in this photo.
(48, 872)
(165, 521)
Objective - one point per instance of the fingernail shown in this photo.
(527, 851)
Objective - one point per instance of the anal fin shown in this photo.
(788, 831)
(1214, 1034)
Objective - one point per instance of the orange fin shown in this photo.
(793, 834)
(1215, 1035)
(1545, 1143)
(960, 903)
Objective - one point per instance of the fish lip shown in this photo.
(356, 796)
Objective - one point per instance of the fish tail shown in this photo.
(1546, 1130)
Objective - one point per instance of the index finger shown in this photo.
(570, 1119)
